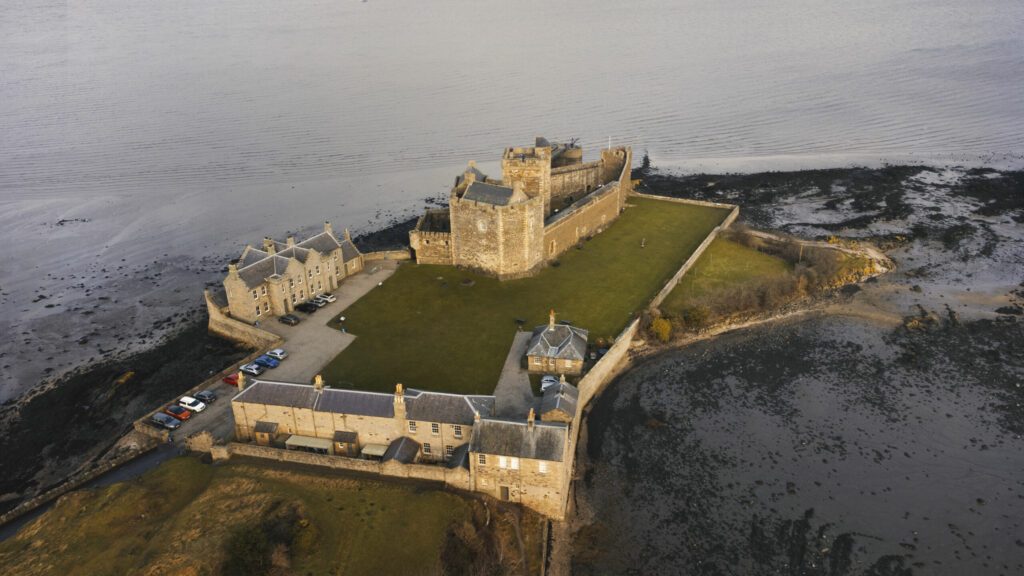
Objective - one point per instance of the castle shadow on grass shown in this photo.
(429, 328)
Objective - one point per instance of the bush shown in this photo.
(696, 316)
(662, 329)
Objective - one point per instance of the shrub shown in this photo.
(662, 329)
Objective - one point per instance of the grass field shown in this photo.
(724, 266)
(426, 328)
(182, 518)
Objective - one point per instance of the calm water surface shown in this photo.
(169, 132)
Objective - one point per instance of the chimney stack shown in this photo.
(268, 245)
(328, 228)
(551, 319)
(348, 236)
(318, 383)
(233, 268)
(241, 381)
(399, 403)
(291, 240)
(529, 419)
(476, 415)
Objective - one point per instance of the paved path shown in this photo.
(513, 396)
(312, 344)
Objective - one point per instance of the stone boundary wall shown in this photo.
(576, 223)
(402, 254)
(234, 330)
(454, 477)
(683, 200)
(608, 367)
(73, 482)
(671, 284)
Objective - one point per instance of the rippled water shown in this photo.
(169, 131)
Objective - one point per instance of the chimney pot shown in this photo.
(291, 240)
(551, 319)
(318, 383)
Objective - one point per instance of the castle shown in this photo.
(547, 201)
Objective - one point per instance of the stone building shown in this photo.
(522, 461)
(558, 403)
(434, 425)
(556, 348)
(269, 281)
(546, 201)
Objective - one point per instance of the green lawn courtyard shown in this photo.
(440, 328)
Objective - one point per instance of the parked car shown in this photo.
(191, 404)
(208, 397)
(252, 369)
(166, 421)
(289, 319)
(328, 296)
(278, 354)
(178, 412)
(318, 302)
(230, 380)
(306, 307)
(266, 362)
(548, 381)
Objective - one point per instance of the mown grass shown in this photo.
(724, 266)
(440, 328)
(180, 517)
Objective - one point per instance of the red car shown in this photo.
(231, 379)
(178, 412)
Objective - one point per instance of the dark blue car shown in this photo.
(266, 362)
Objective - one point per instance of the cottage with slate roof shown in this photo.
(546, 201)
(269, 281)
(556, 348)
(409, 425)
(526, 462)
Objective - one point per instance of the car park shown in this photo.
(289, 319)
(266, 362)
(166, 421)
(277, 354)
(328, 297)
(178, 412)
(252, 369)
(548, 381)
(306, 307)
(208, 397)
(191, 404)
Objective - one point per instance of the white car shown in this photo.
(192, 404)
(278, 354)
(328, 297)
(252, 369)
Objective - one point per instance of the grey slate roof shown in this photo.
(477, 175)
(255, 265)
(560, 397)
(419, 405)
(403, 449)
(447, 408)
(345, 437)
(558, 341)
(460, 457)
(265, 427)
(488, 193)
(542, 441)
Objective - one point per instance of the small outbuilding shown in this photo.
(556, 348)
(558, 404)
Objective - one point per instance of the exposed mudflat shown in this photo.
(885, 436)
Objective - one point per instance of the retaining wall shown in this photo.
(234, 330)
(455, 477)
(403, 254)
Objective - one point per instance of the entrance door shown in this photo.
(504, 492)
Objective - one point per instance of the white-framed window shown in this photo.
(302, 294)
(542, 467)
(481, 459)
(426, 448)
(502, 462)
(412, 426)
(255, 295)
(293, 298)
(458, 431)
(318, 270)
(257, 309)
(266, 307)
(264, 291)
(319, 286)
(299, 280)
(536, 360)
(448, 451)
(514, 463)
(310, 274)
(435, 428)
(335, 257)
(291, 282)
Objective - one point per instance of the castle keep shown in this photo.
(546, 201)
